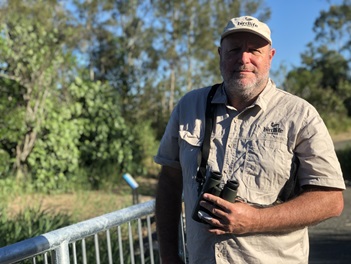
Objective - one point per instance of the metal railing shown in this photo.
(128, 236)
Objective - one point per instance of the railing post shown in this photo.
(61, 254)
(133, 185)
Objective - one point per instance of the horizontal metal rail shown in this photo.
(58, 240)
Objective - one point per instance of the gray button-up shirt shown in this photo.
(256, 146)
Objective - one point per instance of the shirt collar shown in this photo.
(265, 96)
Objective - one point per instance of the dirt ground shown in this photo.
(342, 136)
(342, 140)
(83, 205)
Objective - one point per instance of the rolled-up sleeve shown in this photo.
(318, 161)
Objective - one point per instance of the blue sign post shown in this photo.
(133, 185)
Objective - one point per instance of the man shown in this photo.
(257, 131)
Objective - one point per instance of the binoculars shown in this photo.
(212, 186)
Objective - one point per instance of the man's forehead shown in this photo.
(244, 38)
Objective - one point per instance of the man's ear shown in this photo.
(272, 52)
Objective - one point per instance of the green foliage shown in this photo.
(4, 163)
(324, 77)
(9, 188)
(56, 155)
(87, 87)
(30, 222)
(332, 27)
(32, 59)
(12, 114)
(323, 80)
(144, 149)
(105, 139)
(76, 81)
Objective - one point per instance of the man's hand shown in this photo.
(314, 205)
(235, 218)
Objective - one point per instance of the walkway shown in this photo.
(331, 240)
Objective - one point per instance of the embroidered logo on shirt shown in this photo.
(274, 129)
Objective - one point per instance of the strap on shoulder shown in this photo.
(205, 147)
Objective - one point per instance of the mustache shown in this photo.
(244, 68)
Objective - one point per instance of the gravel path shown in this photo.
(330, 241)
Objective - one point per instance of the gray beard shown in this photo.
(246, 92)
(235, 88)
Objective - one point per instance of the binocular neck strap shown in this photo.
(205, 147)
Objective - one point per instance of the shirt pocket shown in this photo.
(266, 168)
(189, 149)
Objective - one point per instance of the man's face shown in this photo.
(245, 60)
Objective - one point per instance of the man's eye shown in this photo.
(254, 51)
(234, 50)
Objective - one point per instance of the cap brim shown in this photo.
(236, 30)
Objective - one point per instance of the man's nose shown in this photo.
(244, 57)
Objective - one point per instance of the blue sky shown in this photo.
(291, 24)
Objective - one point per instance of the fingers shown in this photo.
(218, 231)
(219, 208)
(216, 226)
(212, 198)
(220, 222)
(215, 204)
(234, 218)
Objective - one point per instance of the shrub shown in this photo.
(29, 223)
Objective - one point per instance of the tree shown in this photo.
(59, 124)
(32, 58)
(145, 48)
(324, 77)
(105, 140)
(85, 84)
(333, 27)
(121, 55)
(187, 34)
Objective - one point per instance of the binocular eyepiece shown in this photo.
(212, 186)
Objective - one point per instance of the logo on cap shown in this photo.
(248, 23)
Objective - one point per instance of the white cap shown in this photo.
(247, 24)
